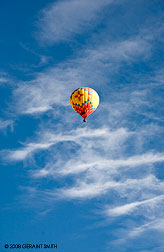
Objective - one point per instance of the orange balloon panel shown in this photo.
(84, 101)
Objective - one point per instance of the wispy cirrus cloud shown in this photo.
(112, 164)
(140, 235)
(4, 78)
(128, 208)
(157, 225)
(64, 19)
(54, 86)
(50, 139)
(98, 184)
(43, 59)
(103, 171)
(6, 123)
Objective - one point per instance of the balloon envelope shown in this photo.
(84, 101)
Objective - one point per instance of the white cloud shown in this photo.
(85, 190)
(98, 183)
(157, 225)
(5, 123)
(100, 173)
(130, 207)
(3, 78)
(39, 95)
(148, 232)
(50, 139)
(103, 170)
(54, 86)
(22, 154)
(43, 59)
(64, 19)
(109, 165)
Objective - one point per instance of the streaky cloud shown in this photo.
(54, 86)
(128, 208)
(6, 123)
(4, 78)
(61, 20)
(49, 139)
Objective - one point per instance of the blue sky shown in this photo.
(95, 186)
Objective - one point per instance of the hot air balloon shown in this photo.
(84, 101)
